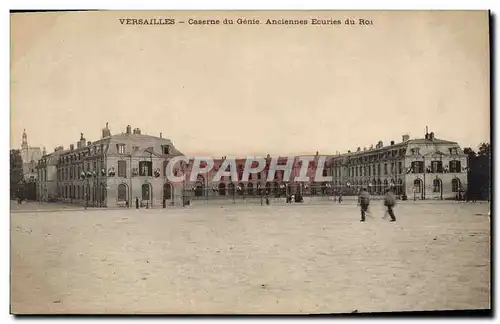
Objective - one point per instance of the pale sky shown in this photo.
(247, 89)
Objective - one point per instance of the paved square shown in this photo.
(251, 259)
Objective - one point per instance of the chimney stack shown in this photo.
(129, 130)
(137, 131)
(406, 137)
(392, 142)
(106, 132)
(431, 136)
(81, 143)
(161, 135)
(72, 147)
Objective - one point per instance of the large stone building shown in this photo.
(115, 170)
(425, 168)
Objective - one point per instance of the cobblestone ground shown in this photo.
(251, 259)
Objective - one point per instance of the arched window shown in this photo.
(122, 192)
(455, 185)
(167, 191)
(146, 192)
(436, 185)
(241, 188)
(222, 189)
(417, 184)
(250, 189)
(231, 189)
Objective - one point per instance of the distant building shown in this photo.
(30, 156)
(47, 176)
(425, 168)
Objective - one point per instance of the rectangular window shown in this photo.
(436, 166)
(392, 168)
(455, 166)
(122, 169)
(417, 167)
(400, 167)
(165, 149)
(145, 169)
(385, 168)
(120, 148)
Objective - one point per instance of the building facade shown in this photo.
(116, 170)
(120, 169)
(425, 168)
(47, 182)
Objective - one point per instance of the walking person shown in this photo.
(364, 203)
(389, 202)
(136, 202)
(340, 198)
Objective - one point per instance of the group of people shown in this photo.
(389, 203)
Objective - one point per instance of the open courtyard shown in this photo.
(250, 259)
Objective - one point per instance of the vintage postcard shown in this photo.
(250, 162)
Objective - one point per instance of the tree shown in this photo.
(479, 172)
(16, 171)
(484, 149)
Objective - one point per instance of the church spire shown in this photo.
(25, 138)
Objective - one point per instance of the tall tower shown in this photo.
(24, 147)
(25, 140)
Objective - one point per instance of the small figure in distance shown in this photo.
(389, 202)
(364, 202)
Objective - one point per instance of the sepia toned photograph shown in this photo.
(250, 162)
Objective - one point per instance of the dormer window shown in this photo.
(120, 148)
(165, 149)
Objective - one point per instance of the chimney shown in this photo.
(317, 153)
(392, 142)
(106, 132)
(82, 141)
(358, 149)
(138, 131)
(160, 135)
(406, 137)
(431, 136)
(129, 130)
(72, 147)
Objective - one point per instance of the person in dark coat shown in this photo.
(364, 203)
(389, 202)
(137, 202)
